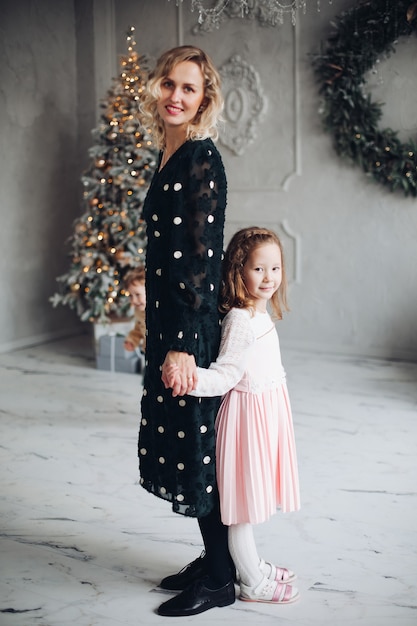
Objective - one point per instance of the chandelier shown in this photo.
(269, 12)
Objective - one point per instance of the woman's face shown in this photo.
(182, 92)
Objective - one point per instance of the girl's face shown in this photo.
(262, 273)
(182, 92)
(138, 295)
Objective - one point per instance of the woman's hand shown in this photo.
(179, 371)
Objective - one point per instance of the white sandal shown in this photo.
(269, 591)
(280, 574)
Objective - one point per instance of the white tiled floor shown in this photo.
(82, 544)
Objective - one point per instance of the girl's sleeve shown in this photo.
(196, 246)
(230, 365)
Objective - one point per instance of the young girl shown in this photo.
(135, 284)
(256, 457)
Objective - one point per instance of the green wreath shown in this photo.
(362, 34)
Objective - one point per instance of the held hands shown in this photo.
(171, 374)
(179, 372)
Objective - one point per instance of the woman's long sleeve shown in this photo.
(196, 247)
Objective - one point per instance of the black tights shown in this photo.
(218, 560)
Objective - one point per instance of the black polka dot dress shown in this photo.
(184, 211)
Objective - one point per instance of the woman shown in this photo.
(184, 211)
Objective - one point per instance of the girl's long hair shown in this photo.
(205, 124)
(233, 290)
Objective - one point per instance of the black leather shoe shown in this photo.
(198, 598)
(189, 574)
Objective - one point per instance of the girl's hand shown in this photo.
(182, 378)
(172, 376)
(171, 372)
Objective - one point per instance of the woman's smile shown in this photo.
(173, 110)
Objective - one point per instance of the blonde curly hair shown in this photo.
(205, 124)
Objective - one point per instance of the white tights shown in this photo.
(243, 550)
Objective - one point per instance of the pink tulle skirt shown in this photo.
(256, 457)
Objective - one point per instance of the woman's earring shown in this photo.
(200, 108)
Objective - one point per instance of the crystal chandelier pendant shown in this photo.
(211, 12)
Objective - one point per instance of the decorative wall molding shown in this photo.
(297, 166)
(295, 251)
(180, 25)
(245, 104)
(105, 49)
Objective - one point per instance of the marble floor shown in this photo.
(82, 544)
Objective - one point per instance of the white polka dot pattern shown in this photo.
(176, 278)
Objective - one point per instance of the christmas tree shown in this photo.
(109, 238)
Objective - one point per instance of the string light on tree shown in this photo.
(109, 238)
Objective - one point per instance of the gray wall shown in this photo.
(39, 168)
(350, 244)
